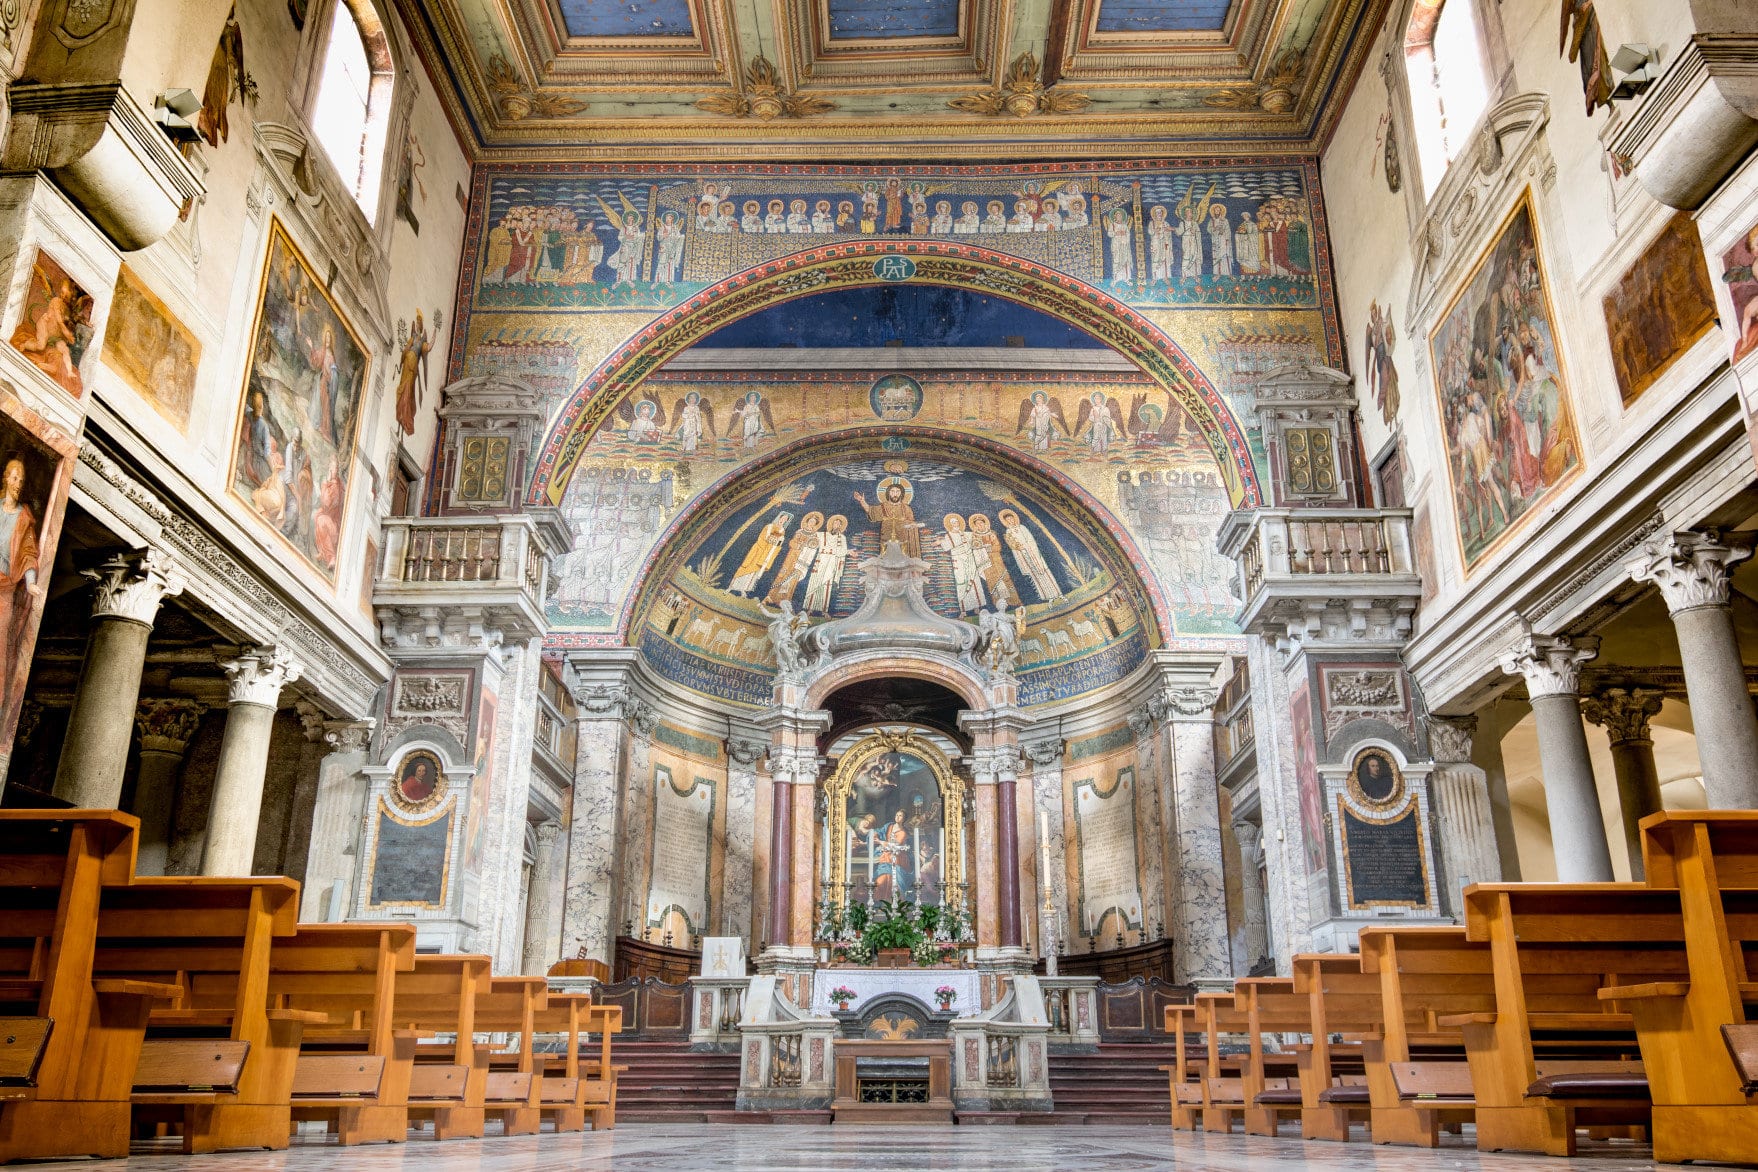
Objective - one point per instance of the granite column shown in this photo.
(165, 727)
(1551, 665)
(254, 682)
(1624, 713)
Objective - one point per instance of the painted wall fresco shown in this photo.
(296, 431)
(1659, 308)
(1505, 407)
(55, 326)
(36, 470)
(1739, 267)
(153, 352)
(799, 536)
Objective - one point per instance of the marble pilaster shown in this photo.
(542, 902)
(1624, 714)
(1551, 665)
(338, 823)
(253, 693)
(742, 754)
(165, 727)
(1466, 820)
(1153, 794)
(637, 837)
(1287, 889)
(126, 596)
(1050, 842)
(1249, 835)
(511, 671)
(1201, 952)
(1691, 572)
(590, 908)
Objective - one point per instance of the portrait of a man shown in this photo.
(419, 780)
(1376, 777)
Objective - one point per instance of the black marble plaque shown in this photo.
(411, 862)
(1385, 860)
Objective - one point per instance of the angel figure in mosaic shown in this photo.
(631, 240)
(644, 421)
(751, 420)
(692, 417)
(1041, 416)
(1100, 422)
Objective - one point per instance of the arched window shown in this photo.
(354, 101)
(1448, 85)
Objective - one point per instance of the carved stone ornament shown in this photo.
(1022, 94)
(1691, 569)
(166, 724)
(763, 97)
(258, 675)
(604, 701)
(1249, 835)
(1624, 712)
(1275, 94)
(430, 693)
(1551, 664)
(1192, 703)
(893, 615)
(1449, 737)
(794, 766)
(1044, 754)
(348, 736)
(131, 587)
(642, 718)
(744, 752)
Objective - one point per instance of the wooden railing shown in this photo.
(503, 551)
(1276, 546)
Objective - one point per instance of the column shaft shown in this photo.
(1202, 951)
(155, 796)
(1251, 890)
(237, 802)
(1007, 859)
(1577, 829)
(781, 867)
(1721, 706)
(805, 842)
(100, 726)
(1638, 792)
(588, 905)
(541, 903)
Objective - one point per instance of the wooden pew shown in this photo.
(1701, 1108)
(562, 1095)
(353, 1072)
(1341, 999)
(1552, 1056)
(1215, 1085)
(598, 1076)
(218, 1060)
(1269, 1005)
(515, 1086)
(1185, 1076)
(1418, 1079)
(449, 1081)
(80, 1038)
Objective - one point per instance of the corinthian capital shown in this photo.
(131, 586)
(1623, 711)
(165, 725)
(258, 675)
(1691, 569)
(1449, 737)
(1551, 664)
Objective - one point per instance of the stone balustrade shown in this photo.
(1000, 1058)
(1071, 1008)
(434, 568)
(717, 1004)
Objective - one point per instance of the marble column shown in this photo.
(980, 870)
(793, 774)
(1051, 843)
(1691, 572)
(338, 823)
(1551, 665)
(1201, 954)
(589, 902)
(1249, 836)
(1007, 844)
(94, 754)
(541, 904)
(165, 726)
(1155, 812)
(254, 683)
(742, 755)
(1624, 713)
(1464, 817)
(638, 796)
(296, 849)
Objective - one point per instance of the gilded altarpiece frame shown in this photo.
(860, 763)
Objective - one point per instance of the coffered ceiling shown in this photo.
(847, 80)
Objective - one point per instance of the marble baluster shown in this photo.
(165, 727)
(94, 752)
(254, 683)
(1551, 665)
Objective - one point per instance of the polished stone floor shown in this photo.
(638, 1147)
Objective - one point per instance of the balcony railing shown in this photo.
(496, 563)
(1293, 554)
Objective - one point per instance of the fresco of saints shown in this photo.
(1160, 250)
(822, 222)
(692, 418)
(752, 220)
(751, 420)
(1041, 416)
(1190, 237)
(894, 515)
(626, 260)
(800, 552)
(995, 219)
(994, 570)
(775, 219)
(969, 222)
(1100, 422)
(798, 222)
(967, 578)
(1031, 563)
(18, 575)
(1247, 246)
(827, 562)
(1117, 229)
(327, 369)
(760, 556)
(1074, 210)
(411, 372)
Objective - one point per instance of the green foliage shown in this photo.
(931, 932)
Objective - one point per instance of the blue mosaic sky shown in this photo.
(893, 18)
(627, 18)
(1162, 16)
(912, 315)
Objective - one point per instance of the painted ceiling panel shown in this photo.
(861, 19)
(1162, 16)
(627, 18)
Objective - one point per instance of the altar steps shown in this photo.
(667, 1082)
(1118, 1083)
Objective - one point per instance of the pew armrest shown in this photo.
(1646, 991)
(179, 1067)
(1455, 1020)
(23, 1040)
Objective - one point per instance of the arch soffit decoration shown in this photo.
(1106, 534)
(845, 266)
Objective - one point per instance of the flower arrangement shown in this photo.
(856, 932)
(947, 995)
(842, 995)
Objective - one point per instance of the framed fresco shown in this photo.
(150, 350)
(55, 324)
(300, 409)
(1659, 308)
(895, 824)
(36, 469)
(1739, 271)
(1506, 416)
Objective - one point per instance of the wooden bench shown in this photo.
(1552, 1056)
(353, 1071)
(1269, 1088)
(1701, 1108)
(1418, 1078)
(514, 1090)
(598, 1076)
(1341, 999)
(449, 1080)
(83, 1033)
(212, 938)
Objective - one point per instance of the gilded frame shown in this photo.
(952, 791)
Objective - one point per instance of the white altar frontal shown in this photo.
(918, 983)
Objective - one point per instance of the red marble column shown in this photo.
(781, 845)
(1007, 858)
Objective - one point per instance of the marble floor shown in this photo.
(638, 1147)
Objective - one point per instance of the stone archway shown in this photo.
(878, 263)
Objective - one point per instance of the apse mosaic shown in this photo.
(1210, 234)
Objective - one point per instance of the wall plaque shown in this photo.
(1384, 862)
(409, 865)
